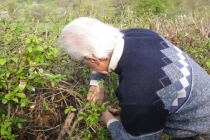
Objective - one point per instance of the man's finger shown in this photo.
(114, 111)
(89, 97)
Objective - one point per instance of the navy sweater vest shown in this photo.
(139, 69)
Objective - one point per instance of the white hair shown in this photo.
(88, 36)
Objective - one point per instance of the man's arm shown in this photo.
(118, 132)
(96, 94)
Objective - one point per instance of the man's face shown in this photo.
(98, 64)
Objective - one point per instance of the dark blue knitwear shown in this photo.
(140, 70)
(161, 89)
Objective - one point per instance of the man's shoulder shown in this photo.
(137, 32)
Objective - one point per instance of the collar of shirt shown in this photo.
(116, 55)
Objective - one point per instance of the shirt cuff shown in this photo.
(94, 82)
(96, 78)
(111, 121)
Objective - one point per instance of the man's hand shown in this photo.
(106, 116)
(114, 111)
(109, 114)
(95, 94)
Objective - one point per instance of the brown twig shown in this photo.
(43, 129)
(8, 110)
(73, 128)
(66, 125)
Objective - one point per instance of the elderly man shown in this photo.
(161, 89)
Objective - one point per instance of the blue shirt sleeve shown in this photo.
(118, 133)
(96, 77)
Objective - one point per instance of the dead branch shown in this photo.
(66, 125)
(73, 128)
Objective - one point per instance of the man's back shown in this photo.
(158, 80)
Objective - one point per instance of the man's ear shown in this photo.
(93, 59)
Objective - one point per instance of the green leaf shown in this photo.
(82, 113)
(53, 83)
(66, 111)
(32, 75)
(12, 136)
(4, 85)
(2, 61)
(51, 76)
(19, 125)
(9, 95)
(80, 118)
(73, 109)
(4, 132)
(87, 104)
(4, 101)
(15, 100)
(30, 87)
(38, 59)
(20, 70)
(46, 105)
(28, 41)
(8, 74)
(23, 104)
(8, 124)
(208, 63)
(15, 59)
(40, 49)
(20, 95)
(30, 49)
(22, 120)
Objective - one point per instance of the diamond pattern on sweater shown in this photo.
(179, 66)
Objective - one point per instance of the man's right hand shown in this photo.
(95, 94)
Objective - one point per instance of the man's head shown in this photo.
(89, 38)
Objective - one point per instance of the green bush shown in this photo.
(150, 6)
(25, 55)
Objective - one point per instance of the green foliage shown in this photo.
(25, 54)
(90, 114)
(69, 109)
(150, 6)
(6, 126)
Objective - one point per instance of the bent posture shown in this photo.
(161, 89)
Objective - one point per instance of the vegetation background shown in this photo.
(43, 91)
